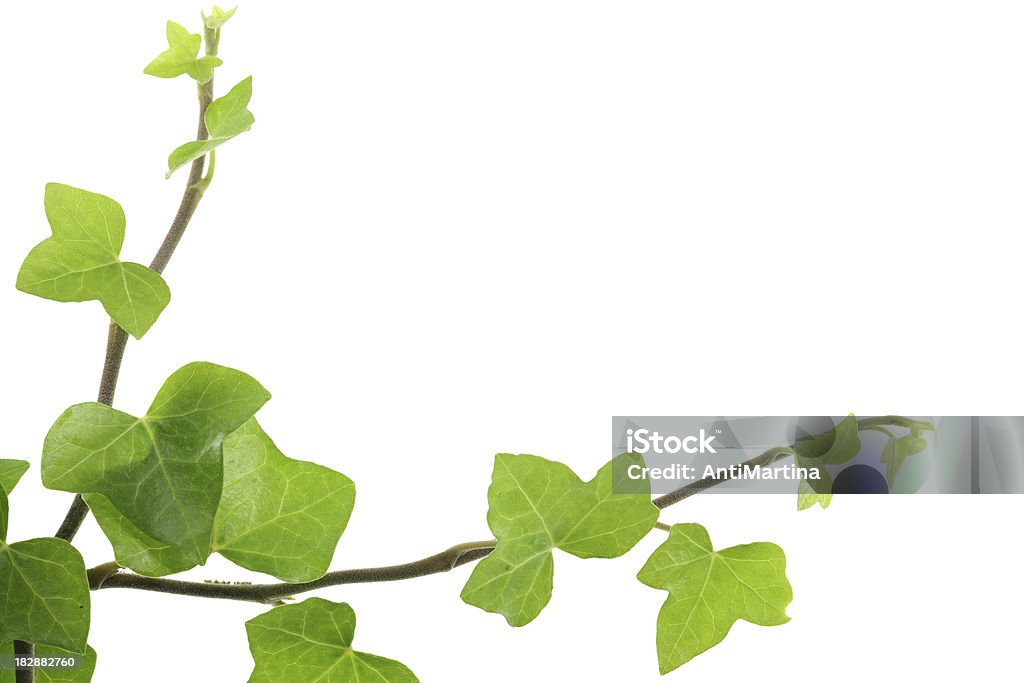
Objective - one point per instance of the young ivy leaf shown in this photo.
(10, 473)
(279, 516)
(312, 642)
(898, 450)
(218, 17)
(83, 674)
(226, 117)
(535, 506)
(834, 447)
(163, 471)
(708, 590)
(182, 56)
(44, 592)
(81, 261)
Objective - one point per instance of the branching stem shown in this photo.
(117, 338)
(109, 575)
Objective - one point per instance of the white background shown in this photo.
(459, 228)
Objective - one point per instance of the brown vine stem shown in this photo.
(117, 338)
(110, 575)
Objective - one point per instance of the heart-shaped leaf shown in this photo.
(81, 261)
(537, 505)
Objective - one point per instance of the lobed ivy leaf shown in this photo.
(218, 17)
(833, 447)
(279, 516)
(810, 493)
(535, 506)
(44, 592)
(81, 261)
(182, 56)
(163, 471)
(226, 117)
(83, 674)
(11, 472)
(709, 590)
(312, 642)
(898, 450)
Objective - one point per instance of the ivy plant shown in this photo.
(197, 474)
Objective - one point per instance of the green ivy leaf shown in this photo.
(134, 549)
(834, 447)
(163, 471)
(810, 493)
(226, 117)
(709, 590)
(81, 261)
(44, 592)
(83, 674)
(279, 516)
(10, 473)
(898, 450)
(182, 56)
(312, 642)
(536, 505)
(218, 17)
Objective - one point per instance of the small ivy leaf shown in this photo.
(80, 261)
(535, 506)
(226, 117)
(164, 471)
(44, 592)
(898, 450)
(709, 590)
(218, 17)
(312, 642)
(10, 473)
(810, 493)
(279, 516)
(834, 447)
(134, 549)
(182, 56)
(83, 674)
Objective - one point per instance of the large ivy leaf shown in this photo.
(277, 515)
(44, 592)
(10, 473)
(163, 471)
(312, 641)
(226, 117)
(182, 56)
(709, 590)
(536, 505)
(898, 450)
(81, 260)
(83, 674)
(833, 447)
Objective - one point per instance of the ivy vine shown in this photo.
(197, 475)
